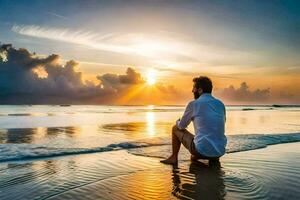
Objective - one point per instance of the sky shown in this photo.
(250, 50)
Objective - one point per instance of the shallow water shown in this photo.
(34, 132)
(271, 173)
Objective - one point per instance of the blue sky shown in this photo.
(271, 27)
(237, 39)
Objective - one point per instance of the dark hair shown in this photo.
(204, 83)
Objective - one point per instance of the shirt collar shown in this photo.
(204, 95)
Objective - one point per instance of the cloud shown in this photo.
(28, 79)
(133, 44)
(20, 81)
(57, 15)
(243, 94)
(113, 80)
(65, 35)
(161, 49)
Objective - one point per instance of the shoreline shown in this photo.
(270, 172)
(141, 149)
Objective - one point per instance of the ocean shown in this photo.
(41, 131)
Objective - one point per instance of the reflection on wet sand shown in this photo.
(18, 135)
(69, 131)
(150, 124)
(133, 129)
(147, 127)
(202, 181)
(270, 173)
(32, 135)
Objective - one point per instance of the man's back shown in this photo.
(209, 117)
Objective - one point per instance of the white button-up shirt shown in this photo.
(208, 115)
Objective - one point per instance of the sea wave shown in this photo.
(148, 147)
(236, 143)
(19, 152)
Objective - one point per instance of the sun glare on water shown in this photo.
(151, 77)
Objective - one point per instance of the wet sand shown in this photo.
(269, 173)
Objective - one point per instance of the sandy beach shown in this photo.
(268, 173)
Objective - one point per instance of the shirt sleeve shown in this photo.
(186, 118)
(224, 113)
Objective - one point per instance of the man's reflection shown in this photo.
(203, 181)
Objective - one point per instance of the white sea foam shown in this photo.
(152, 148)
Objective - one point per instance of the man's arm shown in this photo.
(186, 118)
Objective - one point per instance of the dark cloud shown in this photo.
(116, 81)
(20, 83)
(288, 98)
(243, 94)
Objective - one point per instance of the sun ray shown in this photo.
(132, 93)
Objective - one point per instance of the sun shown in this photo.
(151, 77)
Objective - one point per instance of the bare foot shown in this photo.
(170, 161)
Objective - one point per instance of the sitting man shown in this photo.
(208, 115)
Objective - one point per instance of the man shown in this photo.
(208, 115)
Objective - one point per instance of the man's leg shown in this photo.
(176, 143)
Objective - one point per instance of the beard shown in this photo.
(196, 95)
